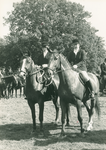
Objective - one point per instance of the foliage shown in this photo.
(56, 22)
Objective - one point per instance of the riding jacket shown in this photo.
(79, 59)
(42, 60)
(103, 69)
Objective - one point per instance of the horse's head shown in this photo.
(26, 65)
(54, 62)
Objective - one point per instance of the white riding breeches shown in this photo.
(84, 75)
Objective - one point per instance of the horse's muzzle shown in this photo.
(22, 74)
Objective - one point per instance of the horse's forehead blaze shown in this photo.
(23, 64)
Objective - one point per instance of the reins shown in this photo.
(33, 73)
(61, 70)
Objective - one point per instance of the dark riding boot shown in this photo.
(88, 85)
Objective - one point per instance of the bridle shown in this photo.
(58, 71)
(43, 75)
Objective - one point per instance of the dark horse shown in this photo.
(71, 90)
(36, 91)
(17, 84)
(2, 87)
(8, 80)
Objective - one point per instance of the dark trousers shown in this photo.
(103, 84)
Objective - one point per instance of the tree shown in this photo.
(58, 22)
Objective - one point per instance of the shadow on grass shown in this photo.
(23, 132)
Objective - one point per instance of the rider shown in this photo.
(1, 75)
(103, 73)
(10, 72)
(77, 58)
(43, 61)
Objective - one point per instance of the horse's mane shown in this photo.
(36, 67)
(69, 66)
(65, 59)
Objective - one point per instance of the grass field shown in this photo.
(16, 127)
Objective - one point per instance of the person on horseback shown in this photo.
(77, 59)
(42, 59)
(10, 71)
(103, 74)
(43, 62)
(1, 75)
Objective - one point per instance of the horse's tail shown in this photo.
(97, 107)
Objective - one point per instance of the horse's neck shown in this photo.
(33, 75)
(66, 70)
(65, 66)
(33, 67)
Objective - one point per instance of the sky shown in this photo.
(96, 7)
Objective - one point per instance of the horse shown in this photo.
(72, 90)
(2, 86)
(9, 81)
(18, 83)
(36, 90)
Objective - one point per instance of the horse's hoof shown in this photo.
(82, 134)
(33, 131)
(56, 123)
(82, 131)
(68, 124)
(62, 135)
(41, 134)
(89, 128)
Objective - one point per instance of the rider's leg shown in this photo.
(88, 83)
(104, 78)
(89, 86)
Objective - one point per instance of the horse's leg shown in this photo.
(63, 109)
(12, 92)
(0, 93)
(20, 91)
(41, 109)
(7, 92)
(91, 115)
(79, 111)
(57, 109)
(16, 92)
(90, 118)
(94, 104)
(32, 107)
(68, 114)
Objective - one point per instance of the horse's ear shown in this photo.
(21, 53)
(49, 50)
(29, 54)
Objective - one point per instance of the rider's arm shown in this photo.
(70, 58)
(103, 69)
(83, 59)
(44, 65)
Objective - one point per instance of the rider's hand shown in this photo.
(75, 66)
(45, 65)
